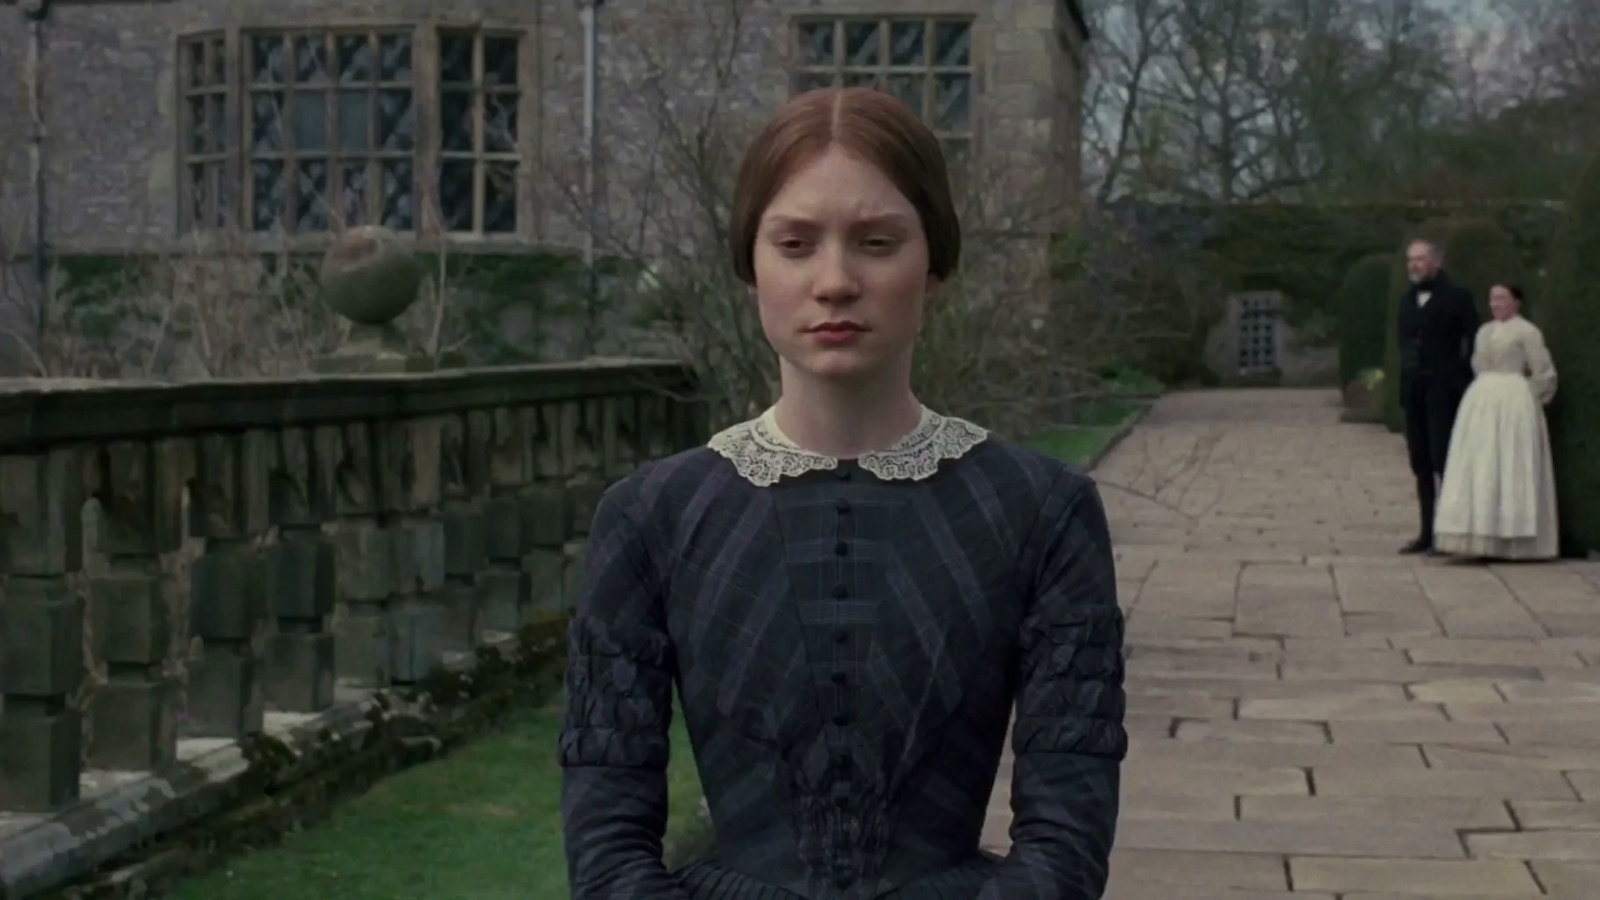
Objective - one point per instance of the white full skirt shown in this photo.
(1499, 494)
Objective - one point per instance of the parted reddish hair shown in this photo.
(869, 123)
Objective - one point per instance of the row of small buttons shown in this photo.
(840, 591)
(841, 798)
(842, 636)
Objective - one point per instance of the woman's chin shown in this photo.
(845, 364)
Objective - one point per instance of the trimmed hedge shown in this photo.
(1570, 317)
(1362, 302)
(1482, 255)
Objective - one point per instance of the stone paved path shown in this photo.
(1314, 717)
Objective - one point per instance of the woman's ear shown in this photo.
(932, 289)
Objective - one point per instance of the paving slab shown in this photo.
(1313, 715)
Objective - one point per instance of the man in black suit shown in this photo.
(1437, 327)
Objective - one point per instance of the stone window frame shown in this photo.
(203, 116)
(427, 153)
(961, 144)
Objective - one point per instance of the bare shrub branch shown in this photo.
(1008, 341)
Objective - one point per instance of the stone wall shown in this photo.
(187, 567)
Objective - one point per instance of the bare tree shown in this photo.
(1131, 40)
(1240, 100)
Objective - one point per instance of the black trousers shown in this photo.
(1430, 409)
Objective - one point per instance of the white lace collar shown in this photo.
(763, 455)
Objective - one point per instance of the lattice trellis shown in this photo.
(1256, 332)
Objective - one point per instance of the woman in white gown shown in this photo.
(1499, 496)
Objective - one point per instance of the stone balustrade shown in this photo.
(188, 565)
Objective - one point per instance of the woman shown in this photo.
(1499, 496)
(849, 591)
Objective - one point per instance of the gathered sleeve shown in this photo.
(1541, 368)
(614, 741)
(1069, 740)
(1480, 348)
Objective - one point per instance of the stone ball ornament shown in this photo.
(370, 276)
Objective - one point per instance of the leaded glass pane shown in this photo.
(952, 44)
(500, 198)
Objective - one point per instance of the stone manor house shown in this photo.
(164, 121)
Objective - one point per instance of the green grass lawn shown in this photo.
(1129, 380)
(481, 824)
(1099, 420)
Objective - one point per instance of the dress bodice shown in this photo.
(1515, 346)
(848, 639)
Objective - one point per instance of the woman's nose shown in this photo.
(836, 280)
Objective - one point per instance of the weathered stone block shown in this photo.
(361, 645)
(572, 574)
(41, 514)
(545, 517)
(364, 560)
(300, 578)
(141, 496)
(463, 607)
(299, 672)
(132, 620)
(582, 498)
(226, 594)
(297, 493)
(655, 433)
(572, 437)
(622, 443)
(40, 749)
(504, 534)
(412, 454)
(466, 542)
(504, 595)
(546, 577)
(231, 497)
(477, 454)
(510, 462)
(224, 694)
(41, 638)
(345, 458)
(416, 639)
(543, 425)
(419, 556)
(133, 725)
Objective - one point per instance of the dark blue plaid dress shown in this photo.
(848, 639)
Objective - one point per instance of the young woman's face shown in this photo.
(1502, 303)
(841, 266)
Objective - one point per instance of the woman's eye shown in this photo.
(791, 245)
(880, 244)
